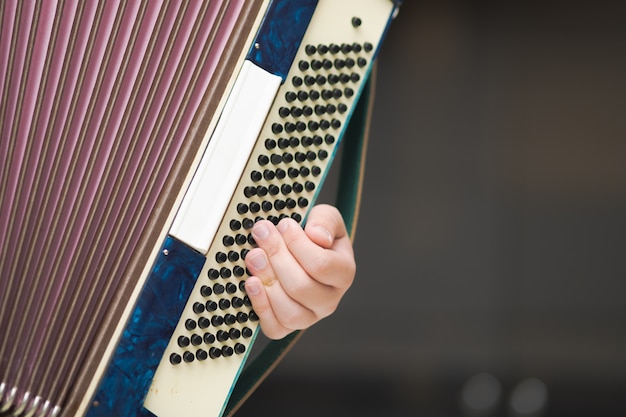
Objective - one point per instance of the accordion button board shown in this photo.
(281, 178)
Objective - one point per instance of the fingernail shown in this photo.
(260, 231)
(283, 226)
(253, 288)
(257, 260)
(326, 233)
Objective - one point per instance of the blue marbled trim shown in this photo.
(280, 35)
(158, 309)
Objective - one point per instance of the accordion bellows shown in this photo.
(103, 107)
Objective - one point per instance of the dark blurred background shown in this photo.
(491, 243)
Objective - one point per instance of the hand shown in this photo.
(299, 276)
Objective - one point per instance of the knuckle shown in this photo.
(320, 265)
(290, 320)
(271, 246)
(326, 310)
(297, 289)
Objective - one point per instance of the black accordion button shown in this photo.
(270, 144)
(255, 207)
(201, 354)
(239, 348)
(229, 319)
(284, 112)
(249, 192)
(231, 288)
(215, 353)
(240, 239)
(208, 338)
(242, 317)
(183, 341)
(255, 176)
(196, 340)
(198, 308)
(314, 95)
(206, 291)
(263, 159)
(228, 240)
(222, 336)
(261, 191)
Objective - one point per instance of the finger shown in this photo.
(325, 226)
(270, 325)
(260, 262)
(278, 313)
(334, 267)
(273, 261)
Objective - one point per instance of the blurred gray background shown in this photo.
(492, 238)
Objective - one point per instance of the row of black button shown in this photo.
(318, 109)
(321, 80)
(209, 338)
(218, 320)
(327, 64)
(294, 142)
(287, 157)
(333, 48)
(268, 174)
(312, 125)
(213, 353)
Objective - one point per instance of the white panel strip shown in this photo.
(219, 171)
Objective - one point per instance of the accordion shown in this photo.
(140, 141)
